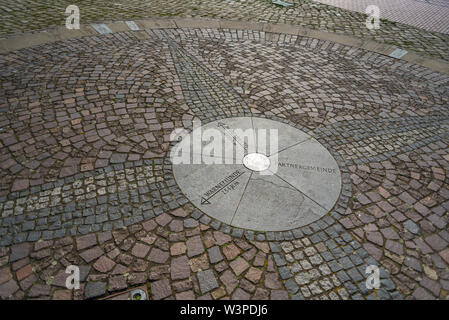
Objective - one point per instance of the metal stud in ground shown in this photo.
(296, 184)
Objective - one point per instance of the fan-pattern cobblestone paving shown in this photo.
(87, 181)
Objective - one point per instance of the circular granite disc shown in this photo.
(256, 174)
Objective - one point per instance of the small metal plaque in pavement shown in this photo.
(282, 3)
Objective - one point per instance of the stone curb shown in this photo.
(61, 33)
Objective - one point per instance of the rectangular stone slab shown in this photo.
(271, 204)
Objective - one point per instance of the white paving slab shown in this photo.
(312, 170)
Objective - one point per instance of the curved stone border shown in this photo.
(328, 220)
(61, 33)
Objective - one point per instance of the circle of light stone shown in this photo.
(256, 161)
(300, 184)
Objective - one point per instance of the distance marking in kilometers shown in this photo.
(220, 186)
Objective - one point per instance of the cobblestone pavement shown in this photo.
(86, 179)
(432, 15)
(19, 16)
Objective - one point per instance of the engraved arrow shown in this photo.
(205, 200)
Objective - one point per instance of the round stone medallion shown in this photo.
(256, 161)
(257, 174)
